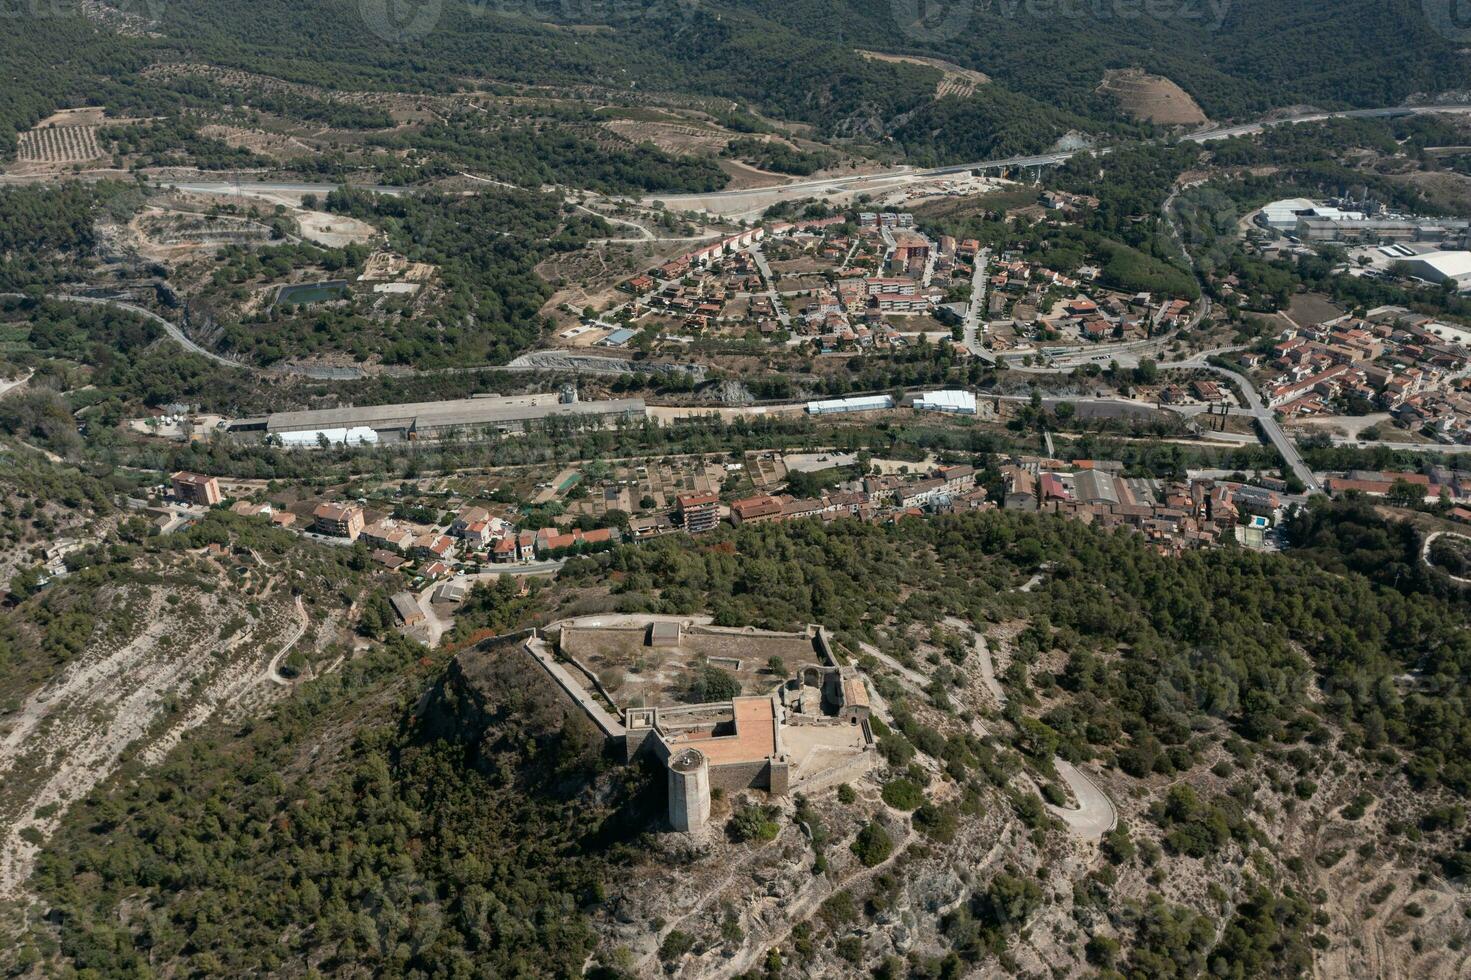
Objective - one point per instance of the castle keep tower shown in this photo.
(689, 790)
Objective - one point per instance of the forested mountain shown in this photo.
(790, 60)
(476, 829)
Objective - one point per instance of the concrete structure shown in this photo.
(662, 634)
(431, 420)
(196, 488)
(689, 790)
(839, 692)
(732, 745)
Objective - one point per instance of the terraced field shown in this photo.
(1152, 98)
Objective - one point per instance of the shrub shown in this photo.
(753, 823)
(850, 948)
(872, 845)
(1102, 951)
(901, 794)
(937, 822)
(712, 684)
(675, 945)
(839, 910)
(1118, 847)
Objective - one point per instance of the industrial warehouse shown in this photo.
(464, 417)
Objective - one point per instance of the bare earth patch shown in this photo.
(1151, 98)
(334, 230)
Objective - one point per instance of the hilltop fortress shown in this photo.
(784, 714)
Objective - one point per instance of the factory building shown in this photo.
(466, 417)
(1440, 267)
(1315, 222)
(956, 401)
(837, 406)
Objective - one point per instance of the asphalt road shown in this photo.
(1425, 553)
(1267, 421)
(977, 306)
(824, 185)
(1095, 814)
(771, 293)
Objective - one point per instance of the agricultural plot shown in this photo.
(677, 138)
(59, 145)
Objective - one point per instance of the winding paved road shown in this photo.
(1095, 814)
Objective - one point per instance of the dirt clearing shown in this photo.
(334, 230)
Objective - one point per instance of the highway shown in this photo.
(733, 201)
(813, 187)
